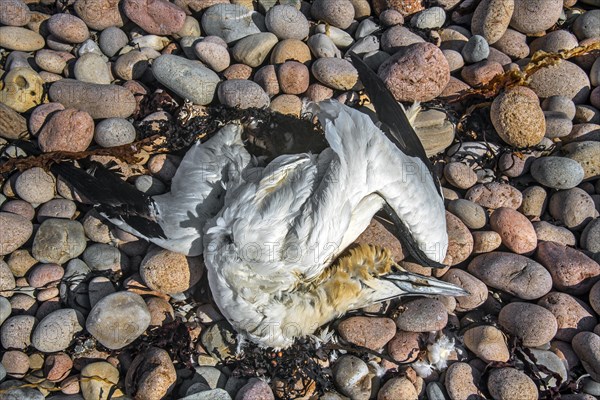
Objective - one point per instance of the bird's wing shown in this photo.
(390, 113)
(198, 189)
(114, 198)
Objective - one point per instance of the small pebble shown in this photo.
(422, 315)
(562, 79)
(527, 19)
(101, 388)
(404, 346)
(478, 291)
(560, 104)
(512, 273)
(168, 272)
(254, 49)
(351, 376)
(572, 314)
(104, 257)
(372, 333)
(545, 231)
(462, 380)
(557, 172)
(15, 332)
(67, 130)
(572, 271)
(590, 237)
(491, 19)
(495, 195)
(338, 13)
(460, 175)
(586, 153)
(16, 363)
(151, 375)
(534, 201)
(286, 22)
(398, 388)
(515, 229)
(488, 343)
(113, 132)
(112, 40)
(587, 347)
(533, 324)
(476, 49)
(335, 73)
(586, 25)
(485, 241)
(55, 332)
(573, 207)
(430, 18)
(511, 384)
(255, 389)
(216, 56)
(16, 231)
(471, 214)
(58, 240)
(118, 319)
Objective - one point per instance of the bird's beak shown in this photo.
(413, 284)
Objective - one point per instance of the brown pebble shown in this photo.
(478, 291)
(57, 366)
(168, 272)
(67, 130)
(422, 315)
(533, 324)
(460, 240)
(488, 343)
(511, 384)
(481, 73)
(495, 195)
(16, 363)
(405, 346)
(372, 333)
(462, 382)
(515, 229)
(572, 271)
(572, 314)
(485, 241)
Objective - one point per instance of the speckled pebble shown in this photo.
(400, 75)
(515, 229)
(15, 363)
(590, 237)
(512, 273)
(168, 272)
(45, 274)
(55, 332)
(491, 19)
(398, 388)
(293, 77)
(548, 232)
(290, 49)
(495, 195)
(286, 22)
(404, 346)
(561, 104)
(57, 366)
(106, 382)
(58, 240)
(252, 50)
(460, 240)
(481, 72)
(255, 389)
(422, 315)
(529, 322)
(56, 208)
(462, 380)
(151, 375)
(587, 347)
(372, 333)
(230, 22)
(67, 130)
(113, 132)
(16, 230)
(131, 65)
(485, 241)
(35, 185)
(564, 78)
(92, 68)
(572, 271)
(338, 13)
(586, 153)
(572, 314)
(157, 17)
(573, 207)
(594, 298)
(214, 55)
(586, 25)
(518, 118)
(243, 94)
(460, 175)
(398, 37)
(527, 19)
(511, 384)
(15, 332)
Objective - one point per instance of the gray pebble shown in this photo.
(215, 394)
(113, 132)
(149, 185)
(35, 185)
(590, 237)
(573, 207)
(322, 46)
(104, 257)
(58, 240)
(20, 393)
(422, 315)
(589, 386)
(585, 113)
(561, 104)
(5, 310)
(57, 208)
(118, 319)
(231, 22)
(476, 49)
(430, 18)
(586, 25)
(558, 124)
(471, 214)
(351, 377)
(557, 172)
(15, 332)
(435, 391)
(364, 45)
(366, 27)
(243, 94)
(112, 40)
(397, 37)
(374, 59)
(55, 332)
(211, 376)
(551, 233)
(552, 362)
(286, 22)
(187, 44)
(338, 13)
(253, 49)
(595, 73)
(335, 73)
(90, 46)
(92, 68)
(2, 369)
(188, 78)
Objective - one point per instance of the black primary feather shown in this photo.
(112, 196)
(399, 130)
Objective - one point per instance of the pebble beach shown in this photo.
(510, 117)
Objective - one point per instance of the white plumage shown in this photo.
(269, 249)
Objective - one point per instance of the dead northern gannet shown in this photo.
(270, 251)
(174, 220)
